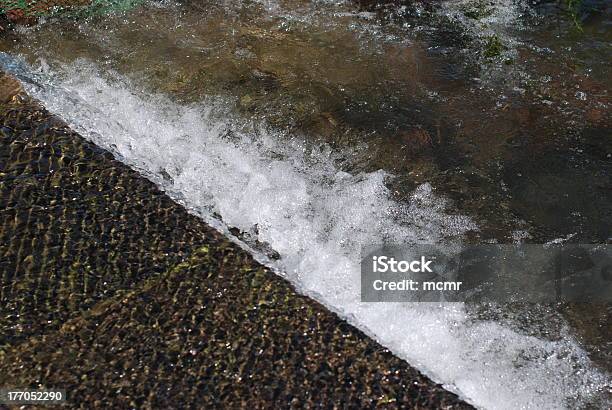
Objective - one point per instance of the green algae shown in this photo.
(493, 47)
(6, 5)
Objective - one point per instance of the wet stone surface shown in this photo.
(77, 226)
(118, 295)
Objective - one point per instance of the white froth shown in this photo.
(317, 217)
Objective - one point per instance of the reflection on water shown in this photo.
(527, 149)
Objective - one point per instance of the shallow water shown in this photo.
(317, 128)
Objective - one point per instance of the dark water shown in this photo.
(520, 141)
(502, 107)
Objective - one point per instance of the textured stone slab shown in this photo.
(116, 294)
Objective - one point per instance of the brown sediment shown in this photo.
(112, 291)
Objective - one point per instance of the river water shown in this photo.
(310, 129)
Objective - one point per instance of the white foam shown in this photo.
(316, 217)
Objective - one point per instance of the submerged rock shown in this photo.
(10, 89)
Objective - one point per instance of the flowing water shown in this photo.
(310, 129)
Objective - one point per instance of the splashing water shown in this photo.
(316, 216)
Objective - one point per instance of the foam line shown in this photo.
(316, 216)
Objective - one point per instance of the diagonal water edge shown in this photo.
(316, 217)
